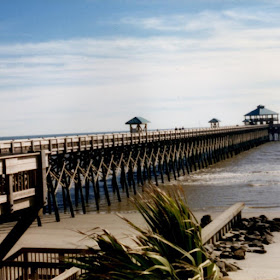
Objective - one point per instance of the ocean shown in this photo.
(252, 177)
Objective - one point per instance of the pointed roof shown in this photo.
(214, 120)
(137, 120)
(261, 110)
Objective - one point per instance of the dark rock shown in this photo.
(259, 251)
(275, 227)
(221, 265)
(230, 267)
(225, 275)
(263, 218)
(235, 247)
(239, 254)
(267, 239)
(256, 243)
(205, 220)
(252, 237)
(226, 255)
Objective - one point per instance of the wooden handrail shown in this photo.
(69, 274)
(64, 144)
(222, 223)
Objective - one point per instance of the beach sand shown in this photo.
(65, 234)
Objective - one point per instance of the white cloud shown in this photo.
(88, 84)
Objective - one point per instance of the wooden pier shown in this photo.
(34, 171)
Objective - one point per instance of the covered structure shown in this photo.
(214, 123)
(261, 115)
(138, 124)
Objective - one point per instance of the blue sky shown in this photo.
(90, 65)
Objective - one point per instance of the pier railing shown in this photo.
(96, 141)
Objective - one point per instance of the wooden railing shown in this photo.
(70, 274)
(21, 180)
(86, 142)
(222, 224)
(42, 263)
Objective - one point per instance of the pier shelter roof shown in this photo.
(137, 120)
(261, 115)
(214, 122)
(137, 124)
(261, 110)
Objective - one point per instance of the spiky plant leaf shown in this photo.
(170, 248)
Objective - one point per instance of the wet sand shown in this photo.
(65, 234)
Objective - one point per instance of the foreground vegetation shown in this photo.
(169, 248)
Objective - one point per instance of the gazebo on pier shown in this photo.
(261, 115)
(137, 124)
(214, 123)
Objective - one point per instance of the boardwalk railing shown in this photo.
(21, 181)
(222, 224)
(42, 263)
(86, 142)
(70, 274)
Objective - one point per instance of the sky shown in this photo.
(77, 66)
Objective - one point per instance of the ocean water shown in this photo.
(252, 177)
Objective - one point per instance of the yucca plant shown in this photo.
(169, 248)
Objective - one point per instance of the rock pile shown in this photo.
(247, 236)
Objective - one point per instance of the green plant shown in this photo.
(170, 248)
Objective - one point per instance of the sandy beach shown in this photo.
(65, 234)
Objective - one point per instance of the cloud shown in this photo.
(205, 20)
(90, 84)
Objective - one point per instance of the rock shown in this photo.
(274, 226)
(221, 265)
(267, 239)
(226, 278)
(239, 254)
(205, 220)
(259, 251)
(256, 243)
(252, 237)
(226, 255)
(235, 247)
(263, 218)
(230, 267)
(248, 235)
